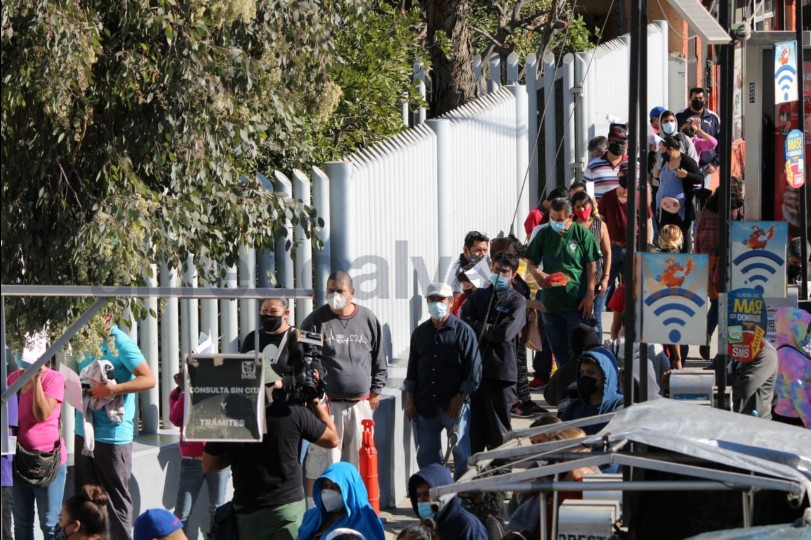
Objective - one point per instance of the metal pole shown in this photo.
(170, 346)
(150, 399)
(304, 249)
(247, 280)
(569, 132)
(630, 210)
(549, 124)
(798, 4)
(725, 58)
(321, 259)
(3, 378)
(531, 66)
(642, 130)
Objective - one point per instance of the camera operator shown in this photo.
(274, 333)
(268, 494)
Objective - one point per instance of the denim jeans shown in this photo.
(48, 501)
(188, 488)
(428, 433)
(558, 328)
(617, 269)
(599, 309)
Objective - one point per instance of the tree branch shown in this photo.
(492, 39)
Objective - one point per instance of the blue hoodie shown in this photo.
(612, 398)
(452, 522)
(360, 515)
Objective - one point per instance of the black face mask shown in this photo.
(690, 132)
(587, 385)
(617, 148)
(666, 156)
(473, 259)
(623, 181)
(793, 272)
(697, 104)
(271, 323)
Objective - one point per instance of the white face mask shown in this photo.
(331, 500)
(669, 128)
(336, 301)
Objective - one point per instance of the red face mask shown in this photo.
(585, 213)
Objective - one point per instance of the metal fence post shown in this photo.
(229, 319)
(170, 345)
(149, 346)
(512, 68)
(494, 73)
(419, 76)
(209, 321)
(189, 310)
(321, 258)
(304, 248)
(519, 92)
(568, 117)
(581, 136)
(444, 143)
(247, 279)
(549, 123)
(342, 207)
(284, 251)
(532, 126)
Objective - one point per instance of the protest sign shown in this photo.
(225, 398)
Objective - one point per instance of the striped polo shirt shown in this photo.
(601, 176)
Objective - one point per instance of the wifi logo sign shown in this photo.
(785, 71)
(674, 308)
(758, 255)
(757, 267)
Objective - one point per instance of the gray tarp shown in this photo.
(731, 439)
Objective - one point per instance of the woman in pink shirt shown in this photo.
(40, 410)
(191, 466)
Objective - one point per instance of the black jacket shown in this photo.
(507, 317)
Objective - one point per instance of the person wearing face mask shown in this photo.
(792, 389)
(585, 212)
(83, 516)
(601, 173)
(709, 122)
(497, 314)
(567, 253)
(597, 389)
(676, 183)
(268, 495)
(475, 249)
(453, 522)
(354, 357)
(444, 368)
(341, 502)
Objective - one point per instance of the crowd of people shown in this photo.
(467, 373)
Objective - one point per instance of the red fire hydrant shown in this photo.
(368, 464)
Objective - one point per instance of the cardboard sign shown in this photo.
(746, 324)
(225, 398)
(674, 298)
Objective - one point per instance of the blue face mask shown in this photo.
(499, 282)
(425, 510)
(558, 226)
(437, 310)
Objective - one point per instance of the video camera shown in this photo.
(300, 383)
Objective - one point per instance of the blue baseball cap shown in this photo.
(156, 523)
(656, 112)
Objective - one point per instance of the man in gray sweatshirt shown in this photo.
(355, 362)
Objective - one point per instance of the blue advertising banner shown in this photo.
(674, 298)
(758, 254)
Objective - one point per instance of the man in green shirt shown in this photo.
(564, 247)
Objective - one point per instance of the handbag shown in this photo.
(531, 334)
(37, 468)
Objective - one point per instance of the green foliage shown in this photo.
(131, 131)
(526, 38)
(359, 97)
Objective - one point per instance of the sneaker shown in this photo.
(704, 351)
(519, 412)
(533, 409)
(537, 384)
